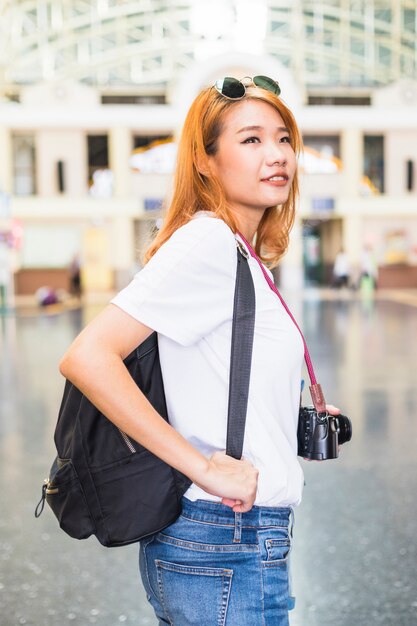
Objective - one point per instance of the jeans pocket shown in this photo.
(278, 549)
(275, 545)
(194, 595)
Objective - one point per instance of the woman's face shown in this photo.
(254, 162)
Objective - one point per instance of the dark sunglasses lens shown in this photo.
(267, 83)
(230, 87)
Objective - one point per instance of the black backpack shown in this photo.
(100, 475)
(104, 483)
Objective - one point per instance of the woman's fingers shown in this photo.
(333, 410)
(230, 502)
(234, 481)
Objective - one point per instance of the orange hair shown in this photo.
(194, 191)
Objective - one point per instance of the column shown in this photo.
(124, 256)
(96, 271)
(291, 265)
(120, 150)
(6, 173)
(353, 161)
(352, 241)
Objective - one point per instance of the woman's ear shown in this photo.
(203, 165)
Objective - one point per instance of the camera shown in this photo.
(320, 434)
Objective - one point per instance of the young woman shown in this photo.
(224, 562)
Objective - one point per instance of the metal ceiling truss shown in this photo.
(99, 42)
(143, 44)
(345, 42)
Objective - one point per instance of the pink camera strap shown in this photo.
(315, 388)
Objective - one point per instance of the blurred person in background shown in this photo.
(369, 268)
(225, 559)
(341, 270)
(75, 276)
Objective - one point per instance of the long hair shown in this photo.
(194, 191)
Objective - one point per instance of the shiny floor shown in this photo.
(355, 552)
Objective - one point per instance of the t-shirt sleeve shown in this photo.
(186, 290)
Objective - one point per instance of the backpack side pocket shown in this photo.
(65, 496)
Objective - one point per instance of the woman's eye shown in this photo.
(285, 139)
(251, 140)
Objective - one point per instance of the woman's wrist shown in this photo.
(199, 468)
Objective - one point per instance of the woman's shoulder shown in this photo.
(206, 224)
(204, 234)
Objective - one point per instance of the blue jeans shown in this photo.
(213, 567)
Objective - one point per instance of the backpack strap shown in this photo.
(241, 354)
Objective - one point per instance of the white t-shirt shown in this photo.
(185, 293)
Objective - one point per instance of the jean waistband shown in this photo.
(217, 513)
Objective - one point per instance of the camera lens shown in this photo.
(345, 429)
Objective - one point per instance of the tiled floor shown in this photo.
(355, 553)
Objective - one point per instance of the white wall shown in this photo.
(400, 146)
(378, 233)
(50, 245)
(69, 146)
(320, 186)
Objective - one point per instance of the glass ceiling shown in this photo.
(142, 45)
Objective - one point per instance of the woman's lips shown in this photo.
(276, 180)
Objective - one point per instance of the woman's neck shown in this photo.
(247, 225)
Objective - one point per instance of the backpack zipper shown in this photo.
(127, 441)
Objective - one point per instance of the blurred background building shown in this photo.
(93, 93)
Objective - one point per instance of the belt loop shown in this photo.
(238, 528)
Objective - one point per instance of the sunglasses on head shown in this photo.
(235, 89)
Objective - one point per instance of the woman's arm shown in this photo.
(94, 364)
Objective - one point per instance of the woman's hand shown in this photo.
(234, 481)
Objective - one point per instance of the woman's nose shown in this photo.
(276, 155)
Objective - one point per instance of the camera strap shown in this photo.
(315, 388)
